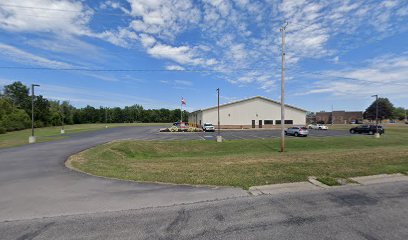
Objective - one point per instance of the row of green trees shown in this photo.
(15, 112)
(386, 110)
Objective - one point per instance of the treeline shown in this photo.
(386, 110)
(15, 112)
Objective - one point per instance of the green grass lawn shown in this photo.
(245, 163)
(17, 138)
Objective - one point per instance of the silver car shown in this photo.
(208, 127)
(297, 131)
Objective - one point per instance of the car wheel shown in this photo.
(296, 134)
(286, 133)
(352, 131)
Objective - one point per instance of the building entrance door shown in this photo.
(253, 123)
(260, 123)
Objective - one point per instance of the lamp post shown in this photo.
(377, 134)
(62, 119)
(32, 139)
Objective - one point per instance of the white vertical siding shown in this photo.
(242, 113)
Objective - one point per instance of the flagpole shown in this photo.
(181, 111)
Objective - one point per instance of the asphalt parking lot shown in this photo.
(242, 134)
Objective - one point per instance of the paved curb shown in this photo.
(313, 180)
(313, 184)
(381, 178)
(283, 188)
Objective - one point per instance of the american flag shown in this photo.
(183, 101)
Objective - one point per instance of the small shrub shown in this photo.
(174, 129)
(2, 130)
(191, 129)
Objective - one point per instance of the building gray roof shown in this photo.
(248, 99)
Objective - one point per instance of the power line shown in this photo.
(129, 70)
(189, 70)
(62, 10)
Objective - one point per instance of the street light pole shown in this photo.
(377, 135)
(62, 119)
(282, 145)
(31, 139)
(106, 117)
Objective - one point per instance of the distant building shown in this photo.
(339, 117)
(255, 112)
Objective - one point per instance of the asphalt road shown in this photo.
(366, 212)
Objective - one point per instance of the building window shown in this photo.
(286, 122)
(268, 122)
(229, 115)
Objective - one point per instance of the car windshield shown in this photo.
(303, 128)
(207, 124)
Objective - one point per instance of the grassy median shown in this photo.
(245, 163)
(46, 134)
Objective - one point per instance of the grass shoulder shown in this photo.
(17, 138)
(245, 163)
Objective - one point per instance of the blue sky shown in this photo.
(338, 52)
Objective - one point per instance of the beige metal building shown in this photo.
(255, 112)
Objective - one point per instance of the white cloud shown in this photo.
(183, 82)
(181, 54)
(175, 68)
(11, 53)
(64, 16)
(120, 37)
(166, 18)
(17, 55)
(147, 40)
(386, 75)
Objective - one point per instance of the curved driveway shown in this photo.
(35, 183)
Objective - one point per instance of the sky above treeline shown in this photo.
(153, 53)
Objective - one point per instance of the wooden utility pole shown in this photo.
(282, 145)
(218, 91)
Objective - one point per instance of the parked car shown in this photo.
(369, 129)
(318, 127)
(297, 131)
(181, 125)
(208, 127)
